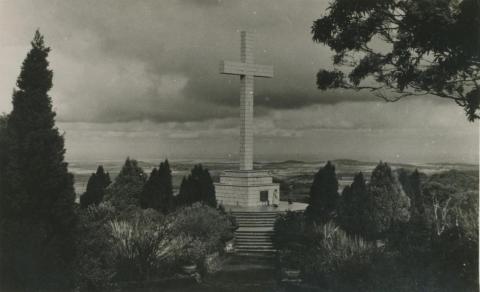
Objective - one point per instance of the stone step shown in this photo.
(249, 236)
(253, 237)
(254, 230)
(262, 255)
(272, 220)
(253, 214)
(248, 244)
(255, 250)
(255, 219)
(271, 223)
(273, 215)
(269, 233)
(265, 225)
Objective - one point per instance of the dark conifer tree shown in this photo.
(128, 185)
(158, 191)
(183, 197)
(323, 195)
(417, 207)
(150, 196)
(3, 147)
(97, 183)
(197, 187)
(353, 212)
(389, 203)
(37, 195)
(166, 187)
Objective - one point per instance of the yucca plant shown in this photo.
(143, 247)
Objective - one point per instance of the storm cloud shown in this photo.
(144, 75)
(158, 60)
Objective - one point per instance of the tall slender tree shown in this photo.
(389, 204)
(166, 187)
(323, 195)
(158, 191)
(97, 183)
(128, 185)
(198, 186)
(353, 211)
(37, 195)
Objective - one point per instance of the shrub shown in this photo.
(145, 247)
(336, 260)
(207, 225)
(94, 263)
(291, 238)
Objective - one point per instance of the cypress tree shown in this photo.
(323, 195)
(97, 183)
(150, 190)
(389, 203)
(353, 210)
(417, 208)
(166, 187)
(37, 195)
(197, 187)
(183, 195)
(128, 185)
(158, 190)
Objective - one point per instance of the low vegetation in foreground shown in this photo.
(403, 231)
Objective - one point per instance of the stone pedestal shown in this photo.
(247, 188)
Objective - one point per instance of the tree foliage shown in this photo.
(97, 183)
(353, 209)
(324, 196)
(158, 191)
(37, 195)
(389, 203)
(399, 48)
(94, 264)
(197, 187)
(209, 229)
(128, 185)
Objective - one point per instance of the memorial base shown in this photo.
(247, 188)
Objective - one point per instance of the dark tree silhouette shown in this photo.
(408, 47)
(412, 185)
(323, 195)
(128, 185)
(97, 183)
(158, 191)
(37, 196)
(353, 208)
(388, 204)
(198, 186)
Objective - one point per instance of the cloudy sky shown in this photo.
(140, 78)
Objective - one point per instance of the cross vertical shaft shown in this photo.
(246, 105)
(247, 71)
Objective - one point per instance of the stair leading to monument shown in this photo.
(254, 235)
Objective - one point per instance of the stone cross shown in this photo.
(247, 71)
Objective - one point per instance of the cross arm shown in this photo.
(238, 68)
